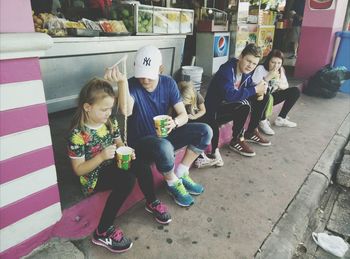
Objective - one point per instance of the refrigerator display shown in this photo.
(265, 38)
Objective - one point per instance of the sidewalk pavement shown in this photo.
(247, 202)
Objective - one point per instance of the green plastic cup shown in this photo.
(160, 122)
(124, 157)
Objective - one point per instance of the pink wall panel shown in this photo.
(318, 18)
(325, 18)
(19, 70)
(24, 164)
(28, 205)
(314, 51)
(23, 118)
(16, 16)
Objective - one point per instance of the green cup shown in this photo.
(160, 122)
(124, 157)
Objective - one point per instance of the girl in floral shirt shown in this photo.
(93, 140)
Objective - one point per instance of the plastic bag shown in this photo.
(326, 82)
(269, 107)
(332, 244)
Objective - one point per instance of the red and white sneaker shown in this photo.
(257, 138)
(241, 147)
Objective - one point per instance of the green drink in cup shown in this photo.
(124, 157)
(160, 122)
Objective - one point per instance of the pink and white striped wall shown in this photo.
(317, 38)
(30, 202)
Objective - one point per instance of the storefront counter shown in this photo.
(71, 62)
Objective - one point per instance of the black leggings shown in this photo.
(289, 96)
(121, 183)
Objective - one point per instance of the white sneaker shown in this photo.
(280, 122)
(218, 158)
(264, 126)
(204, 161)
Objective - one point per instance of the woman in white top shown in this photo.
(273, 72)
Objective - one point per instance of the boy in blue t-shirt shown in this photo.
(148, 95)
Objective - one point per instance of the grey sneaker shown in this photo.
(113, 239)
(159, 211)
(204, 161)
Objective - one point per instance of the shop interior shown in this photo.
(267, 23)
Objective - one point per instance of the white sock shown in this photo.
(172, 181)
(182, 170)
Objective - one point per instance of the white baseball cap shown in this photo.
(147, 62)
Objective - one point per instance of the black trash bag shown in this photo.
(327, 81)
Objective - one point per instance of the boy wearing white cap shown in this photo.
(151, 94)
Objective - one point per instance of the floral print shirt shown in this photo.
(87, 143)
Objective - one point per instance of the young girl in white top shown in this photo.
(273, 72)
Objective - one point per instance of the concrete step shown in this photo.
(56, 249)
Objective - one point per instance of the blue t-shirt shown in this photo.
(150, 104)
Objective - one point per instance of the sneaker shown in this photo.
(241, 147)
(265, 127)
(180, 194)
(113, 239)
(192, 187)
(218, 158)
(204, 161)
(159, 211)
(280, 122)
(256, 138)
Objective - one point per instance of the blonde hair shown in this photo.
(188, 93)
(94, 91)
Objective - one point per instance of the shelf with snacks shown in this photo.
(59, 27)
(254, 24)
(147, 20)
(121, 19)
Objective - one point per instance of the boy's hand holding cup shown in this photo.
(162, 124)
(260, 90)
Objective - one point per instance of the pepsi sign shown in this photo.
(221, 44)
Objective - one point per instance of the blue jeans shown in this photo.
(161, 151)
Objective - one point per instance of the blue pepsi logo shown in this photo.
(221, 43)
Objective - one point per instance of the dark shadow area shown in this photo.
(68, 182)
